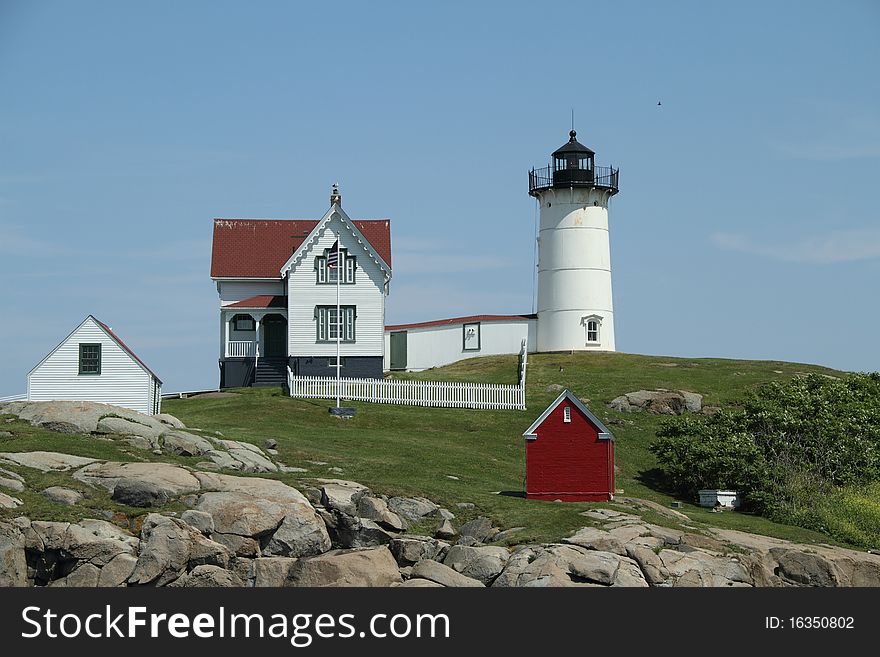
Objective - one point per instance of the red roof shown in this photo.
(125, 347)
(261, 301)
(460, 320)
(258, 248)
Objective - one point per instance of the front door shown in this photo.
(275, 338)
(398, 350)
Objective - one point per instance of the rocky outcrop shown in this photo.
(161, 434)
(63, 495)
(483, 563)
(368, 567)
(253, 531)
(9, 502)
(170, 548)
(442, 574)
(11, 481)
(480, 529)
(45, 461)
(13, 566)
(164, 479)
(409, 550)
(660, 402)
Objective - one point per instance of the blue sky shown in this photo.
(746, 225)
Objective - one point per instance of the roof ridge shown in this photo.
(124, 346)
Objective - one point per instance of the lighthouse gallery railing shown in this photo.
(546, 177)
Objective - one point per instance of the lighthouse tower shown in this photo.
(575, 311)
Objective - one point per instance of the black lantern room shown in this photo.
(573, 162)
(573, 165)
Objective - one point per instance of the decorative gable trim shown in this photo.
(110, 334)
(309, 242)
(567, 395)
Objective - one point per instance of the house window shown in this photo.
(471, 337)
(566, 414)
(244, 323)
(328, 323)
(90, 359)
(327, 275)
(331, 362)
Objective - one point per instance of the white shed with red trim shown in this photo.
(93, 364)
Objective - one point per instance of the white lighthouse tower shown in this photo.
(575, 311)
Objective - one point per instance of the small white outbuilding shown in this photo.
(93, 364)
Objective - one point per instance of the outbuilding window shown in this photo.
(90, 359)
(470, 338)
(566, 414)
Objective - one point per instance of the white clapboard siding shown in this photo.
(122, 382)
(437, 394)
(155, 397)
(367, 294)
(435, 346)
(233, 291)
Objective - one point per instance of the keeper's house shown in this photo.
(278, 297)
(569, 454)
(93, 364)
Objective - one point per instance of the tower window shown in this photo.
(566, 414)
(591, 326)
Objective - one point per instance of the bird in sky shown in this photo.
(658, 103)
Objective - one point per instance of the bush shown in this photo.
(850, 515)
(789, 446)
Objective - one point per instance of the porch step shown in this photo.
(271, 372)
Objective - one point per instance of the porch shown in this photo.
(253, 344)
(254, 334)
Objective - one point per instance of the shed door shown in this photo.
(398, 350)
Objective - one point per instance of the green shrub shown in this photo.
(787, 448)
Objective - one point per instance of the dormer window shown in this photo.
(327, 275)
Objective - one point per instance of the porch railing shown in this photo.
(241, 348)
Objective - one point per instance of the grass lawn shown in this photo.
(416, 451)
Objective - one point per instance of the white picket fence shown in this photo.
(411, 393)
(439, 394)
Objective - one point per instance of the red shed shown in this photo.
(569, 454)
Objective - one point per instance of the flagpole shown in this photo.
(338, 319)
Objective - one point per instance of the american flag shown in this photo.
(333, 256)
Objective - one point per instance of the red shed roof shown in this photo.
(459, 320)
(124, 346)
(567, 395)
(260, 301)
(258, 248)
